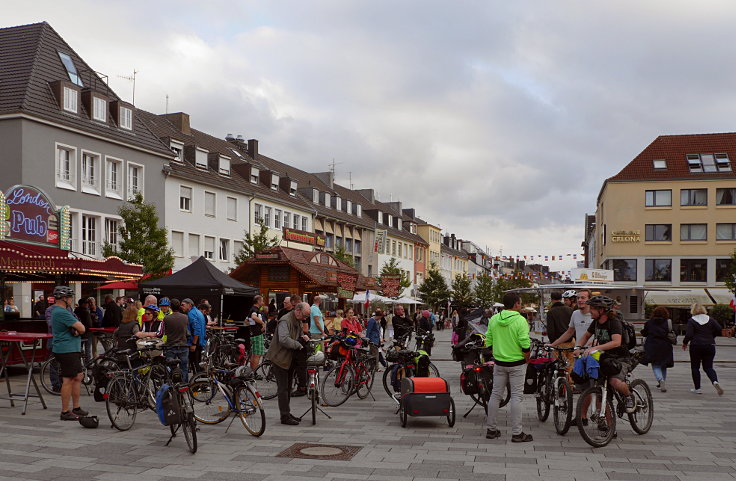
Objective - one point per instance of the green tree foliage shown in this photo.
(731, 276)
(462, 292)
(255, 243)
(391, 268)
(484, 293)
(433, 290)
(342, 255)
(503, 284)
(723, 314)
(142, 241)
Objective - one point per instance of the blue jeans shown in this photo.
(660, 372)
(182, 354)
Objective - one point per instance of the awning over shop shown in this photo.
(678, 297)
(720, 294)
(20, 261)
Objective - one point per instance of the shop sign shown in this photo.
(591, 275)
(267, 255)
(303, 237)
(347, 281)
(626, 236)
(345, 294)
(381, 239)
(29, 216)
(390, 285)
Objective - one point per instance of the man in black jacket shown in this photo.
(113, 316)
(401, 322)
(558, 317)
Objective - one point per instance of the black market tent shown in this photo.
(202, 280)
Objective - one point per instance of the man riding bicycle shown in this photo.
(608, 331)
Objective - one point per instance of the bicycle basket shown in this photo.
(244, 372)
(316, 359)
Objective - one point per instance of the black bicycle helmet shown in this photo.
(89, 421)
(601, 302)
(63, 291)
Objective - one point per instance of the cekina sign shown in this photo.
(304, 237)
(591, 275)
(29, 216)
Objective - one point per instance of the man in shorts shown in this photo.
(67, 349)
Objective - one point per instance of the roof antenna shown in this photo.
(132, 79)
(350, 176)
(167, 104)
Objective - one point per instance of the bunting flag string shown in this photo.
(539, 257)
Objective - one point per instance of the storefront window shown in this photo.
(723, 269)
(693, 270)
(624, 269)
(658, 270)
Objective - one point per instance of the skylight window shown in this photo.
(708, 162)
(71, 69)
(237, 153)
(660, 163)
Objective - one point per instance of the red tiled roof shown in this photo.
(673, 149)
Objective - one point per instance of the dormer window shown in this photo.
(327, 199)
(413, 228)
(399, 224)
(71, 99)
(359, 210)
(99, 109)
(338, 203)
(71, 69)
(659, 164)
(224, 167)
(349, 207)
(254, 175)
(126, 118)
(178, 149)
(200, 159)
(315, 196)
(390, 220)
(379, 216)
(292, 188)
(274, 182)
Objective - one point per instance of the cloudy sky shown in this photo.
(497, 120)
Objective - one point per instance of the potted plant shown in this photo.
(724, 315)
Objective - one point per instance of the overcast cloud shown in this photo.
(497, 120)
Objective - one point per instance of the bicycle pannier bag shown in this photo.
(167, 405)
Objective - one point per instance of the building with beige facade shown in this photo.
(668, 220)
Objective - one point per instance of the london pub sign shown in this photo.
(29, 216)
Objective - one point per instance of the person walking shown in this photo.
(284, 345)
(508, 335)
(700, 336)
(657, 347)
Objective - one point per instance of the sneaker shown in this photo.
(521, 438)
(69, 416)
(291, 416)
(290, 422)
(493, 434)
(696, 391)
(663, 386)
(630, 404)
(80, 412)
(659, 384)
(718, 387)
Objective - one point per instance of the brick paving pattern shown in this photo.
(693, 438)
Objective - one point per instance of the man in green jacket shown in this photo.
(508, 335)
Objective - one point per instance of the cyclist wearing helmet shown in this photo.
(558, 317)
(151, 322)
(165, 305)
(609, 332)
(569, 298)
(67, 348)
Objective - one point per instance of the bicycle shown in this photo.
(177, 409)
(314, 363)
(51, 380)
(599, 416)
(476, 378)
(405, 363)
(554, 390)
(424, 341)
(227, 391)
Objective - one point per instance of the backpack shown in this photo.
(629, 337)
(167, 406)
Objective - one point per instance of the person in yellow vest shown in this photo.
(150, 301)
(165, 305)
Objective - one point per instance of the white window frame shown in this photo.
(234, 202)
(89, 245)
(267, 216)
(177, 253)
(92, 187)
(349, 207)
(237, 247)
(116, 193)
(126, 118)
(200, 158)
(224, 166)
(359, 210)
(141, 180)
(71, 182)
(277, 219)
(274, 182)
(287, 219)
(71, 99)
(224, 246)
(109, 234)
(338, 203)
(214, 204)
(328, 199)
(178, 149)
(210, 255)
(188, 207)
(254, 175)
(257, 213)
(305, 223)
(293, 188)
(99, 109)
(295, 221)
(198, 250)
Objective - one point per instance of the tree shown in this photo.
(255, 243)
(433, 290)
(342, 255)
(142, 241)
(514, 282)
(731, 275)
(462, 292)
(484, 293)
(392, 268)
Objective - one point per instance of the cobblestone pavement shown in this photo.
(692, 438)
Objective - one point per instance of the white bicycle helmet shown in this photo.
(569, 294)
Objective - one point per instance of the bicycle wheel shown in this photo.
(338, 384)
(365, 382)
(250, 410)
(433, 371)
(596, 429)
(189, 424)
(50, 377)
(562, 410)
(451, 413)
(387, 381)
(641, 419)
(208, 402)
(542, 397)
(155, 378)
(121, 403)
(267, 385)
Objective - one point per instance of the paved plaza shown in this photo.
(692, 438)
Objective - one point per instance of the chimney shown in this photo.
(180, 121)
(453, 241)
(367, 193)
(253, 148)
